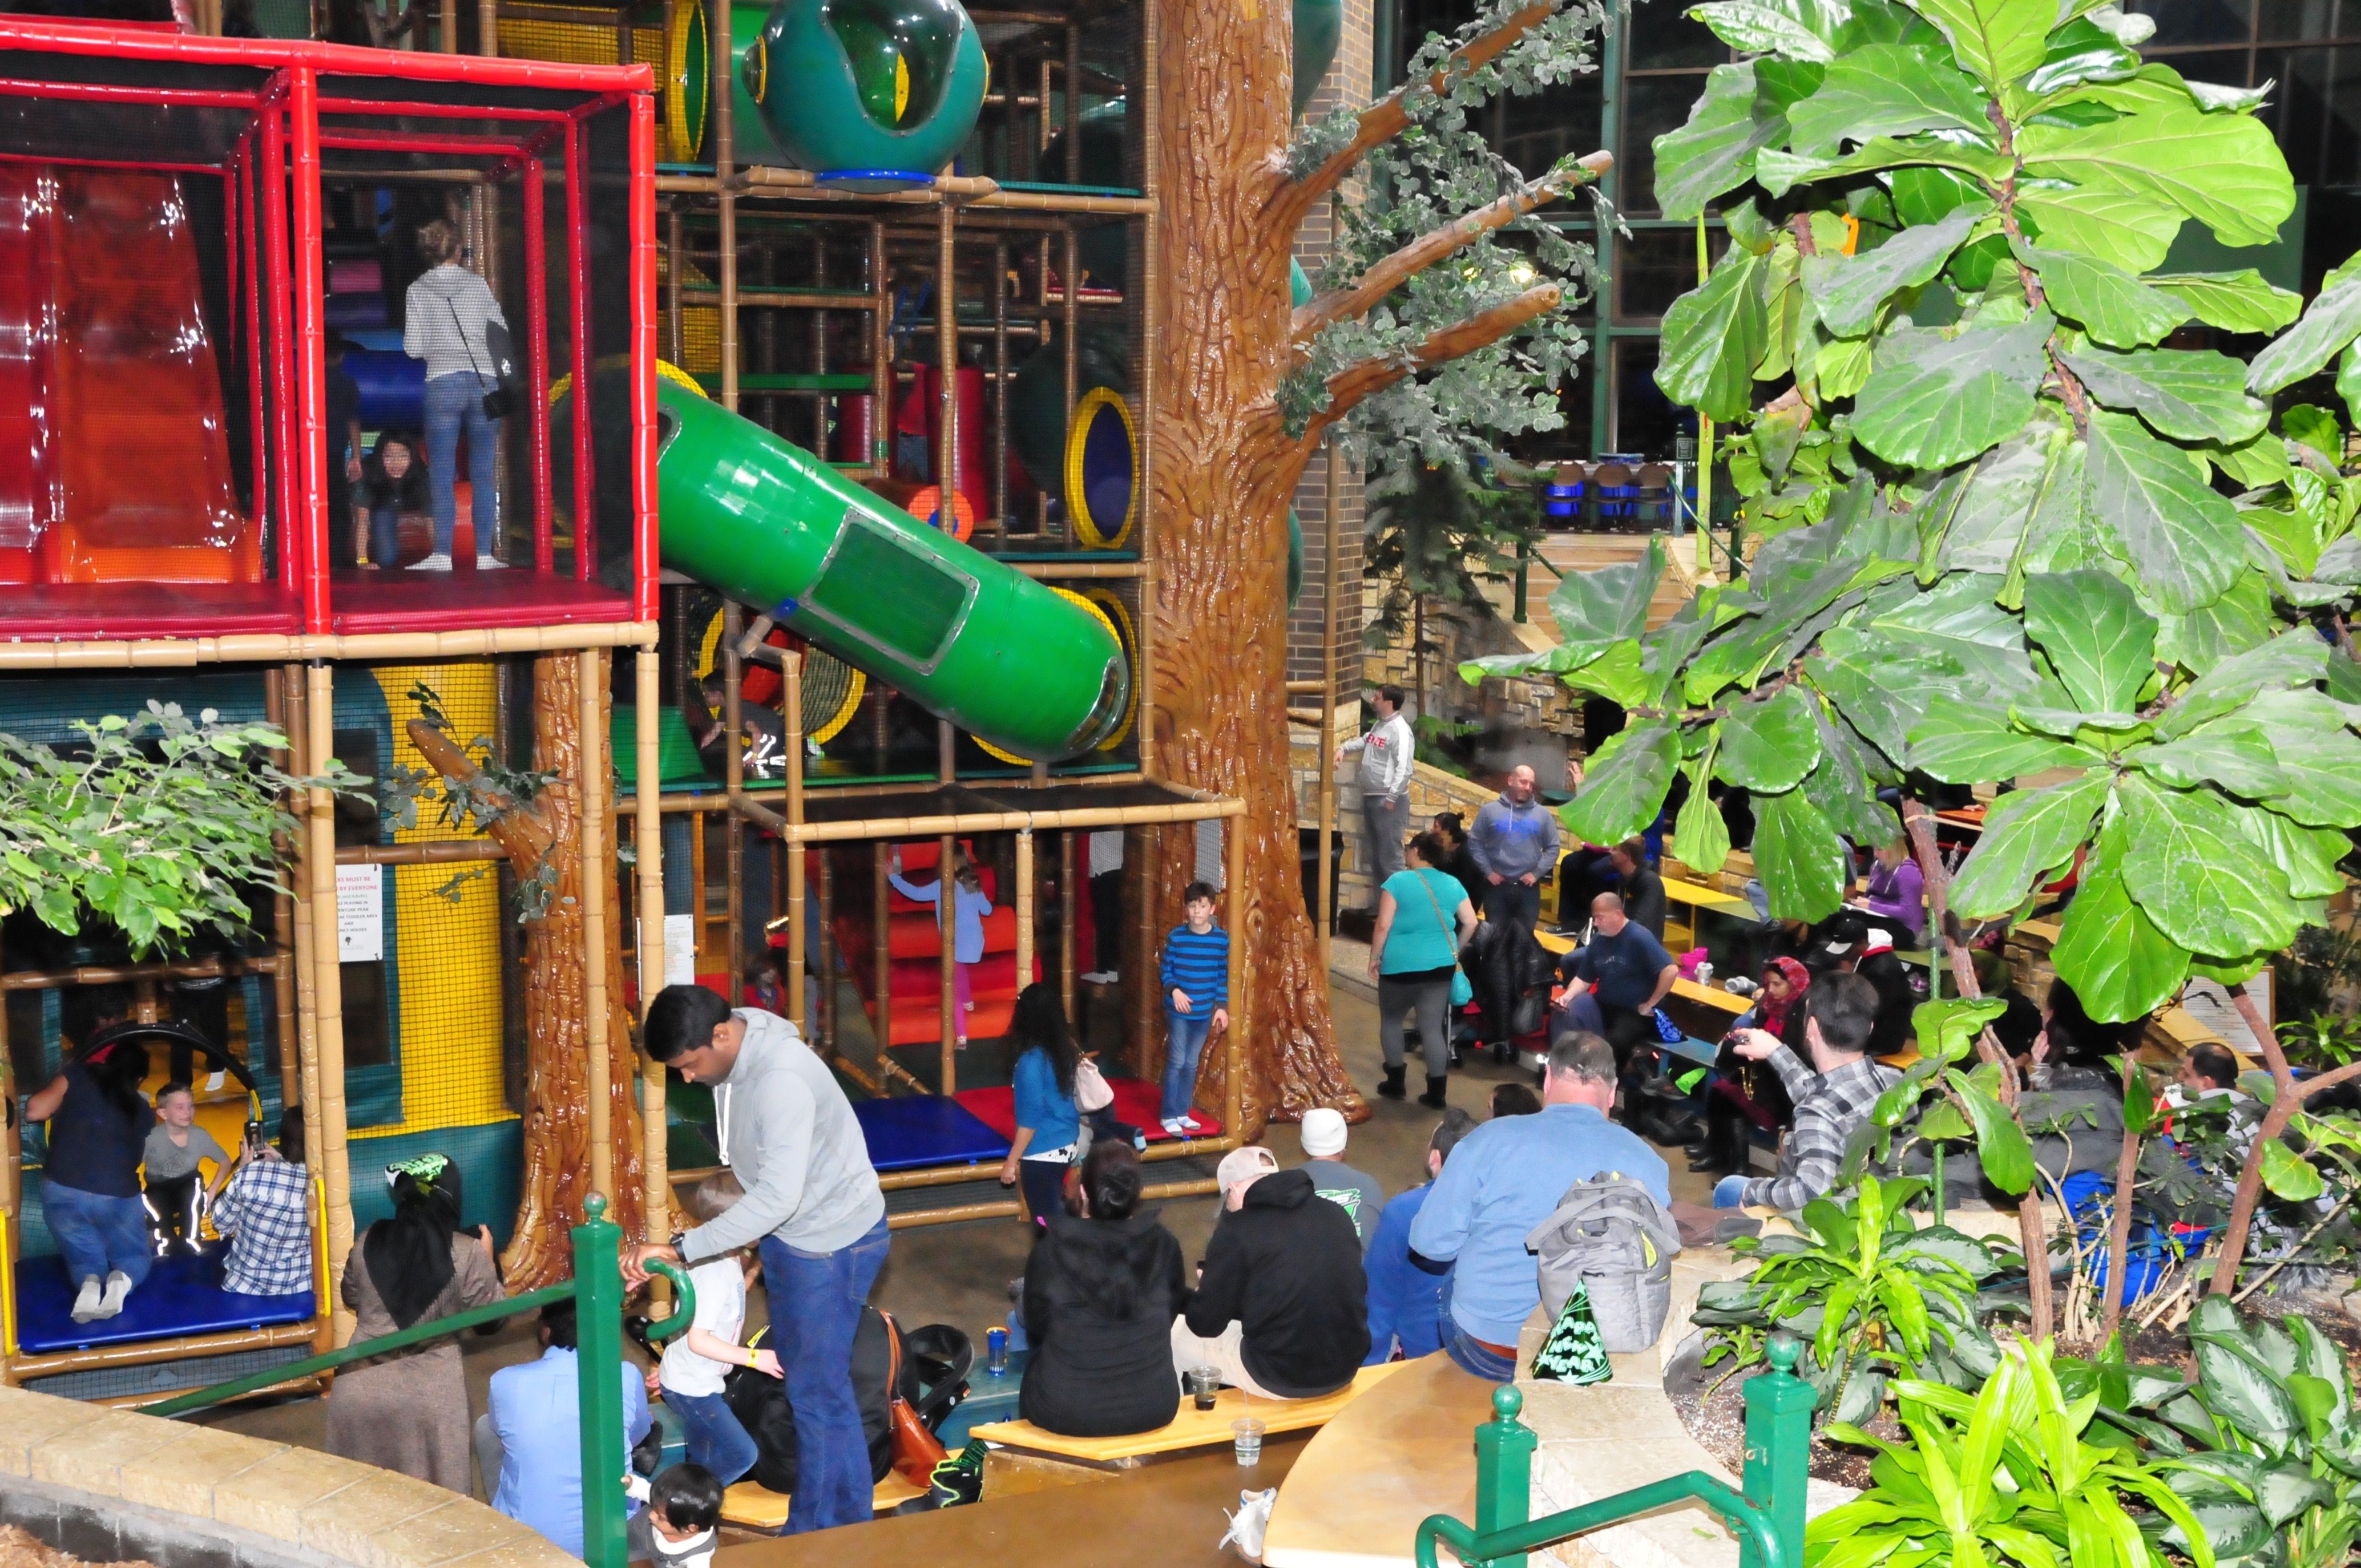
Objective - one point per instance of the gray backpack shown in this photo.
(1610, 1235)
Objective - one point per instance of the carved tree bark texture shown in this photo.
(1224, 470)
(557, 1090)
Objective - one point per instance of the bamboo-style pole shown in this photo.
(791, 702)
(676, 264)
(826, 924)
(954, 1023)
(1325, 743)
(447, 42)
(720, 116)
(328, 985)
(1234, 906)
(1071, 571)
(1073, 107)
(647, 840)
(307, 1012)
(282, 932)
(1000, 382)
(733, 777)
(187, 653)
(435, 853)
(880, 354)
(589, 678)
(947, 355)
(118, 974)
(1024, 909)
(12, 1179)
(1066, 903)
(145, 1352)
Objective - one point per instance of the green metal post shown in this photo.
(1522, 572)
(1610, 261)
(1504, 1470)
(598, 1319)
(1778, 1448)
(1937, 1152)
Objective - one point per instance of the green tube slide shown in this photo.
(978, 642)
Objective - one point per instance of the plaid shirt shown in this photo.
(266, 1211)
(1828, 1106)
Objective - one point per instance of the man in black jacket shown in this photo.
(1282, 1307)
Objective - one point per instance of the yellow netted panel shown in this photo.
(443, 951)
(575, 43)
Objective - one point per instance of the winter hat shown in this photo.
(1323, 1132)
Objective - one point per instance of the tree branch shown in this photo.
(1347, 305)
(1349, 386)
(1389, 115)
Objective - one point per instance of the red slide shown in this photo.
(114, 459)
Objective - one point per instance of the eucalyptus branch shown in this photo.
(1349, 386)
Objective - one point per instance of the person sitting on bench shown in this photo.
(534, 1439)
(1282, 1307)
(1102, 1289)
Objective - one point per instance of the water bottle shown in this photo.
(995, 1351)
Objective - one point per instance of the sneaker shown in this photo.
(957, 1478)
(1099, 977)
(118, 1286)
(438, 562)
(490, 563)
(1176, 1125)
(85, 1305)
(1189, 1123)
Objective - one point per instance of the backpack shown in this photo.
(1610, 1235)
(926, 1369)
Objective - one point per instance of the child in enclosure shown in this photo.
(690, 1376)
(173, 1160)
(968, 911)
(1196, 1002)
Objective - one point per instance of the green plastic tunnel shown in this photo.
(978, 642)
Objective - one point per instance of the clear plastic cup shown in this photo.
(1246, 1435)
(1205, 1385)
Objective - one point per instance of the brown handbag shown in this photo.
(916, 1449)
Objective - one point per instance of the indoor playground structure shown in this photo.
(894, 425)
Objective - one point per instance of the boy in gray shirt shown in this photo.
(175, 1146)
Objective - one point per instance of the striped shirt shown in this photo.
(266, 1212)
(445, 316)
(1198, 963)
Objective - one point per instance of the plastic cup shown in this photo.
(1246, 1435)
(995, 1351)
(1205, 1385)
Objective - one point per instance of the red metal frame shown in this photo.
(272, 197)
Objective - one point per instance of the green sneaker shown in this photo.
(958, 1478)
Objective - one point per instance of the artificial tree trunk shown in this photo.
(1224, 469)
(546, 830)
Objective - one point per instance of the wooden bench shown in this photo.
(1193, 1428)
(1363, 1484)
(750, 1506)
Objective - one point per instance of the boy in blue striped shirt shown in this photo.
(1196, 979)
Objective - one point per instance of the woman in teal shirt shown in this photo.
(1413, 953)
(1048, 1123)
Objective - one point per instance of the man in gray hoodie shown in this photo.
(1514, 842)
(812, 1204)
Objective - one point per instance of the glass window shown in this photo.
(2292, 19)
(1644, 421)
(2197, 21)
(1534, 133)
(916, 622)
(1655, 266)
(1655, 39)
(1652, 107)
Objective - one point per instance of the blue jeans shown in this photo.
(816, 1301)
(715, 1439)
(1730, 1193)
(453, 403)
(99, 1236)
(1477, 1360)
(385, 535)
(1184, 1042)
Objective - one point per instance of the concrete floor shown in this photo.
(960, 1274)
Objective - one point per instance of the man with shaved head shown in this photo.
(1514, 844)
(1628, 974)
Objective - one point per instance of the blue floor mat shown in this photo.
(179, 1297)
(924, 1130)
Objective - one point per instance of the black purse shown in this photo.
(505, 398)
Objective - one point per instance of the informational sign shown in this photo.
(680, 949)
(360, 914)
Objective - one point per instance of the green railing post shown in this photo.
(599, 1320)
(1778, 1449)
(1504, 1470)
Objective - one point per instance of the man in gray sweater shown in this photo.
(1514, 842)
(812, 1204)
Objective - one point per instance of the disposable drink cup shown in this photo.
(995, 1351)
(1247, 1436)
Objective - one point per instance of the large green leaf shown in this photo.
(1700, 837)
(2307, 855)
(1713, 335)
(1779, 172)
(2234, 754)
(2000, 1146)
(2132, 232)
(1624, 786)
(2318, 757)
(1610, 603)
(2297, 658)
(2100, 641)
(2329, 322)
(2194, 873)
(1798, 856)
(2234, 302)
(2009, 482)
(2180, 537)
(2112, 306)
(1886, 90)
(1714, 151)
(2187, 394)
(2028, 832)
(1841, 787)
(2288, 1175)
(1802, 29)
(2119, 964)
(2081, 51)
(2225, 170)
(1847, 289)
(1769, 746)
(1860, 691)
(1999, 40)
(1933, 401)
(1969, 742)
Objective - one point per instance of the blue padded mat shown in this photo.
(923, 1130)
(180, 1297)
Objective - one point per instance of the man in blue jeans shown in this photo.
(813, 1203)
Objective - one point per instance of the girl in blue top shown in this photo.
(968, 911)
(1047, 1125)
(1424, 917)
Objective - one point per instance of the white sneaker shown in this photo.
(1176, 1126)
(490, 563)
(85, 1305)
(438, 562)
(1099, 977)
(1189, 1123)
(118, 1286)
